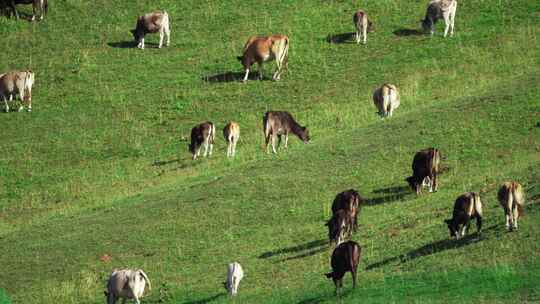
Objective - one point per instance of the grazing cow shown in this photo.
(153, 22)
(203, 133)
(386, 99)
(41, 5)
(438, 9)
(425, 170)
(231, 132)
(350, 201)
(277, 123)
(17, 82)
(126, 284)
(340, 226)
(234, 276)
(362, 25)
(345, 258)
(466, 207)
(263, 49)
(511, 198)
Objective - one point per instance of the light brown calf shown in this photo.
(262, 49)
(17, 82)
(386, 99)
(231, 132)
(362, 26)
(511, 198)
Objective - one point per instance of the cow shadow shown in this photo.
(304, 255)
(159, 163)
(321, 299)
(404, 32)
(230, 77)
(207, 300)
(391, 194)
(341, 38)
(307, 246)
(433, 248)
(123, 44)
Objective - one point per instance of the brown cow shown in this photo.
(153, 22)
(511, 198)
(340, 226)
(467, 206)
(277, 123)
(41, 5)
(262, 49)
(345, 258)
(425, 170)
(348, 200)
(231, 132)
(362, 26)
(17, 82)
(202, 134)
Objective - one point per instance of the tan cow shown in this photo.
(386, 99)
(467, 206)
(17, 82)
(262, 49)
(126, 284)
(231, 132)
(511, 198)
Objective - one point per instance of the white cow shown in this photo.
(438, 9)
(153, 22)
(234, 276)
(126, 284)
(17, 82)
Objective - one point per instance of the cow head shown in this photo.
(452, 227)
(304, 135)
(426, 24)
(370, 27)
(414, 184)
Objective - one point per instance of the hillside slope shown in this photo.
(101, 165)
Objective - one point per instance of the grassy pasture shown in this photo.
(101, 165)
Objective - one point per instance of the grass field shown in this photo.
(101, 164)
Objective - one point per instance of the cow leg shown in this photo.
(234, 147)
(160, 38)
(446, 25)
(246, 75)
(274, 138)
(434, 182)
(452, 24)
(286, 140)
(211, 147)
(168, 33)
(516, 215)
(5, 103)
(260, 68)
(267, 139)
(205, 147)
(365, 33)
(14, 9)
(507, 215)
(353, 273)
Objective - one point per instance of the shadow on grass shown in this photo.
(229, 77)
(341, 38)
(408, 32)
(123, 44)
(302, 247)
(395, 193)
(432, 248)
(321, 299)
(207, 300)
(159, 163)
(305, 254)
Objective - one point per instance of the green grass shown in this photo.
(101, 165)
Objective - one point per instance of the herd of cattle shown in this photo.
(130, 284)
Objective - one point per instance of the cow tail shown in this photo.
(146, 279)
(213, 133)
(477, 204)
(266, 126)
(518, 198)
(284, 60)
